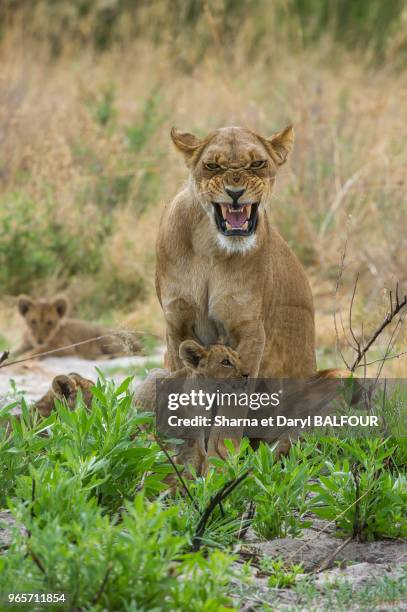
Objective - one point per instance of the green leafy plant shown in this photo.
(361, 494)
(282, 491)
(280, 575)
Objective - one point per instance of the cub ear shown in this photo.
(187, 143)
(281, 144)
(191, 353)
(79, 380)
(24, 303)
(61, 306)
(63, 386)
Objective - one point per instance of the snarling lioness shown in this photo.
(223, 270)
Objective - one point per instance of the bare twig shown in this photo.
(387, 359)
(395, 309)
(140, 485)
(100, 590)
(357, 343)
(327, 562)
(329, 524)
(357, 528)
(214, 501)
(338, 284)
(6, 354)
(178, 473)
(246, 521)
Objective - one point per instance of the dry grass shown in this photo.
(85, 146)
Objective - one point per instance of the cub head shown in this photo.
(42, 318)
(214, 361)
(232, 174)
(67, 387)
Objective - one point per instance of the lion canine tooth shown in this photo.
(248, 208)
(224, 211)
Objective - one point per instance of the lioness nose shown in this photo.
(235, 194)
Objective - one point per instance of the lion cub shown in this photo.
(48, 328)
(216, 361)
(65, 387)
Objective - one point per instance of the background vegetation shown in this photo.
(89, 91)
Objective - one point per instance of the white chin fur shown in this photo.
(236, 244)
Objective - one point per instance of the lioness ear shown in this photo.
(61, 305)
(24, 303)
(63, 386)
(187, 143)
(280, 144)
(191, 353)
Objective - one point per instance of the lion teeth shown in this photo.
(228, 226)
(248, 208)
(224, 211)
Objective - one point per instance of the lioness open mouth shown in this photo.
(232, 222)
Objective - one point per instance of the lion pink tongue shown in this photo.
(236, 218)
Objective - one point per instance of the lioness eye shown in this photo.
(33, 321)
(260, 163)
(212, 166)
(226, 363)
(49, 323)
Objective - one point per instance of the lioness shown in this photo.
(65, 387)
(222, 269)
(216, 362)
(48, 328)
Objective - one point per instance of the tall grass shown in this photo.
(90, 92)
(374, 26)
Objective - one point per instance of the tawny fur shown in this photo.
(251, 289)
(198, 362)
(65, 387)
(49, 328)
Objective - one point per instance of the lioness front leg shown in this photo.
(249, 344)
(180, 315)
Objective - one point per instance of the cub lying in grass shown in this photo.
(48, 328)
(65, 387)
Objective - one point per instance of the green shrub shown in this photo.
(282, 491)
(360, 494)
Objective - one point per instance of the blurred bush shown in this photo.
(375, 26)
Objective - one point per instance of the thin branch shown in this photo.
(4, 356)
(381, 359)
(178, 473)
(102, 587)
(247, 521)
(357, 348)
(122, 333)
(213, 502)
(390, 345)
(338, 284)
(328, 562)
(395, 310)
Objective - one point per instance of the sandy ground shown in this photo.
(32, 379)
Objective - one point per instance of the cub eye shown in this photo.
(227, 363)
(33, 321)
(260, 163)
(49, 323)
(212, 166)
